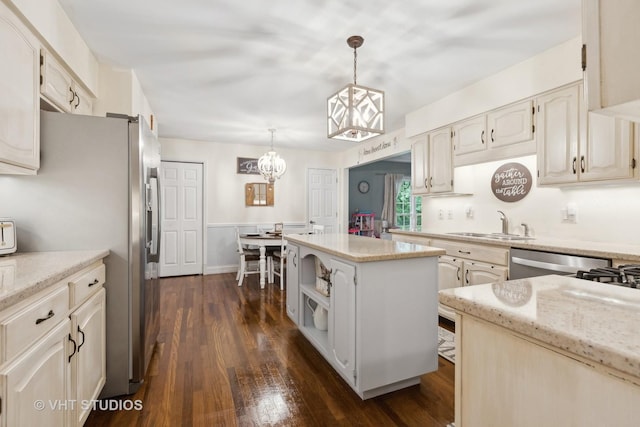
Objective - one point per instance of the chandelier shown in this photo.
(355, 113)
(270, 165)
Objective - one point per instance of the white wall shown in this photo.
(605, 213)
(225, 188)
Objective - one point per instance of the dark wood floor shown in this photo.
(230, 356)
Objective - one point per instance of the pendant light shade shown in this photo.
(355, 113)
(271, 165)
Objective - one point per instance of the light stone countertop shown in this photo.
(362, 248)
(25, 274)
(593, 320)
(614, 251)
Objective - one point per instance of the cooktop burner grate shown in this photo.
(624, 275)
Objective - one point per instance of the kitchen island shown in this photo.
(381, 311)
(549, 350)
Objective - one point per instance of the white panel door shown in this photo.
(323, 198)
(181, 213)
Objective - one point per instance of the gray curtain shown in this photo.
(391, 186)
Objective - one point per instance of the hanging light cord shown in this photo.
(272, 131)
(355, 64)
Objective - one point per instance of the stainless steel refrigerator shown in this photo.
(98, 187)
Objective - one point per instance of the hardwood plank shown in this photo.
(230, 356)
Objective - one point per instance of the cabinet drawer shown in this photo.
(86, 283)
(23, 327)
(490, 254)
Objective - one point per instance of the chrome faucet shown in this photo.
(505, 222)
(526, 229)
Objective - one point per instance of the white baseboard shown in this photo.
(219, 269)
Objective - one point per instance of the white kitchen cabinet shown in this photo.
(20, 118)
(574, 147)
(450, 273)
(88, 364)
(533, 384)
(469, 135)
(558, 135)
(293, 297)
(467, 264)
(58, 87)
(342, 336)
(369, 302)
(432, 163)
(478, 273)
(611, 62)
(511, 125)
(54, 352)
(36, 384)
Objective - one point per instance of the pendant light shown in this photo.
(270, 165)
(355, 113)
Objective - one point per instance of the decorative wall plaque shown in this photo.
(248, 166)
(511, 182)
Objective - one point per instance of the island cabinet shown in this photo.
(378, 325)
(53, 354)
(550, 350)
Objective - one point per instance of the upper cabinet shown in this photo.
(19, 74)
(499, 134)
(59, 88)
(575, 147)
(431, 163)
(610, 56)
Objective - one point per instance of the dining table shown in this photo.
(262, 241)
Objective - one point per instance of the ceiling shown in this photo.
(227, 71)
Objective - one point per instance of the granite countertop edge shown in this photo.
(627, 362)
(48, 275)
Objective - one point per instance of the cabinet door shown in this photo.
(419, 166)
(608, 150)
(449, 276)
(342, 320)
(293, 297)
(440, 161)
(19, 103)
(82, 102)
(510, 125)
(36, 384)
(470, 135)
(479, 273)
(56, 83)
(557, 136)
(88, 365)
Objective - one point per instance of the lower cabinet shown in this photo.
(507, 379)
(88, 364)
(55, 362)
(378, 326)
(35, 385)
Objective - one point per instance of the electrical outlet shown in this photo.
(440, 214)
(449, 214)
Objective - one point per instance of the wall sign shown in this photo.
(511, 182)
(248, 166)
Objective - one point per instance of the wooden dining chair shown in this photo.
(279, 262)
(249, 260)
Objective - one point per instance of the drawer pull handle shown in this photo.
(95, 282)
(75, 348)
(464, 252)
(47, 317)
(82, 343)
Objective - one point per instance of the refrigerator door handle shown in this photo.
(153, 219)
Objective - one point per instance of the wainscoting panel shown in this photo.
(222, 254)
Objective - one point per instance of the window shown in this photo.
(408, 207)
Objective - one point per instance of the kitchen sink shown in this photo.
(497, 236)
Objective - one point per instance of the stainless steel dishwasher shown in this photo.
(530, 263)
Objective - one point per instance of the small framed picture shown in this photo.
(248, 166)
